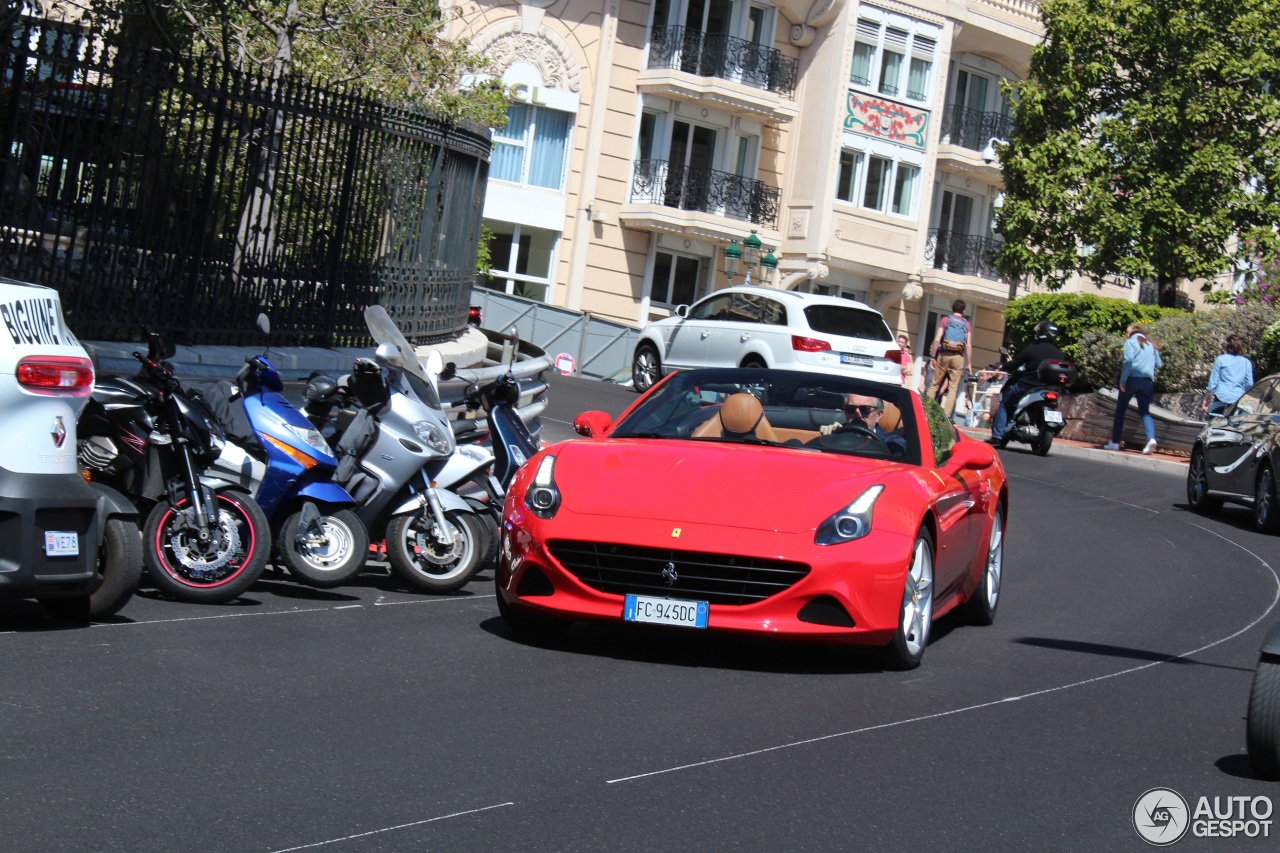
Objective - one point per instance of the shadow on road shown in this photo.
(1106, 650)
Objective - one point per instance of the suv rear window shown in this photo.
(849, 322)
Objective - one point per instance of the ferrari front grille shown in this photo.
(714, 578)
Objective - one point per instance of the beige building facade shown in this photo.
(855, 139)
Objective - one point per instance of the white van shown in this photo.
(70, 545)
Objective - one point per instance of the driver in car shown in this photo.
(863, 413)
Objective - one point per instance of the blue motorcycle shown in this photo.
(275, 453)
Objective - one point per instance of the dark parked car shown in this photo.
(1237, 454)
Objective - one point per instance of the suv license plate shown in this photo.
(665, 611)
(61, 543)
(1052, 417)
(860, 360)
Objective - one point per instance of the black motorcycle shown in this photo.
(1037, 415)
(204, 540)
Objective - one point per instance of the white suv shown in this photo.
(750, 326)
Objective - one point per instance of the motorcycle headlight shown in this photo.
(431, 435)
(542, 496)
(312, 438)
(852, 522)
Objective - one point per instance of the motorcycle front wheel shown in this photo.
(214, 570)
(329, 556)
(420, 558)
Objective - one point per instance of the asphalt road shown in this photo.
(371, 718)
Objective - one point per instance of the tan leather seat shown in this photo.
(741, 416)
(892, 417)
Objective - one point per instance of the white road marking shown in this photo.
(431, 600)
(391, 828)
(347, 606)
(1045, 692)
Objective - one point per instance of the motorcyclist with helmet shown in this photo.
(1023, 372)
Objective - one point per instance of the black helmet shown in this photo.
(320, 389)
(1046, 331)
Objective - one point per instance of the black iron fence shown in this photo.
(963, 254)
(705, 190)
(973, 129)
(725, 57)
(171, 192)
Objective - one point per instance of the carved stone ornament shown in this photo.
(505, 44)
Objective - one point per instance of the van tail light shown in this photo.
(803, 344)
(1051, 397)
(56, 375)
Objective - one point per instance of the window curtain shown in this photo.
(918, 78)
(550, 139)
(506, 162)
(891, 73)
(904, 189)
(860, 73)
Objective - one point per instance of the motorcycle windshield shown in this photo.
(384, 331)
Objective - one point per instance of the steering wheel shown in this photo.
(858, 428)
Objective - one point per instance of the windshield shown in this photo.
(384, 331)
(803, 412)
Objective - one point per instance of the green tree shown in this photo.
(395, 50)
(1145, 143)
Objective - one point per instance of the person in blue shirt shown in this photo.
(1137, 382)
(862, 415)
(1231, 376)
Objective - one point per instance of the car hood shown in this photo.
(730, 485)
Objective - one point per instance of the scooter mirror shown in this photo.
(264, 324)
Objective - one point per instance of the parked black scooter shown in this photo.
(1037, 418)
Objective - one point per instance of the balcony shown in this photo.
(746, 79)
(962, 254)
(973, 129)
(698, 202)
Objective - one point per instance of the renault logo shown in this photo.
(669, 574)
(59, 432)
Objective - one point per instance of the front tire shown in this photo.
(1263, 727)
(1198, 496)
(646, 368)
(424, 562)
(212, 572)
(532, 625)
(986, 598)
(915, 617)
(330, 559)
(1266, 514)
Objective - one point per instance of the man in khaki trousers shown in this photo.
(952, 354)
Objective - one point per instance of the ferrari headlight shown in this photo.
(542, 497)
(430, 435)
(852, 522)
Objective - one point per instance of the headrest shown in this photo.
(892, 417)
(740, 413)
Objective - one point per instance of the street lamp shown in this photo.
(732, 257)
(768, 266)
(989, 154)
(748, 255)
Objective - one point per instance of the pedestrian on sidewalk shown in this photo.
(1137, 382)
(952, 355)
(1231, 376)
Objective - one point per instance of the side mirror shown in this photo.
(449, 370)
(435, 362)
(592, 424)
(973, 454)
(682, 311)
(264, 324)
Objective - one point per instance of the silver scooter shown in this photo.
(392, 439)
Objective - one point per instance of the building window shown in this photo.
(878, 181)
(675, 279)
(522, 259)
(531, 150)
(893, 56)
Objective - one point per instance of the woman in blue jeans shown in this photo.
(1137, 381)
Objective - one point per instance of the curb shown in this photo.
(1158, 462)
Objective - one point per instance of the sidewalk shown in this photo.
(1161, 462)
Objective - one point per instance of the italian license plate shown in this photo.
(860, 360)
(1052, 417)
(61, 543)
(665, 611)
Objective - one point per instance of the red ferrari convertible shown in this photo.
(764, 502)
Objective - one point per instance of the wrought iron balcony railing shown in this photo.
(705, 190)
(725, 57)
(963, 254)
(973, 129)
